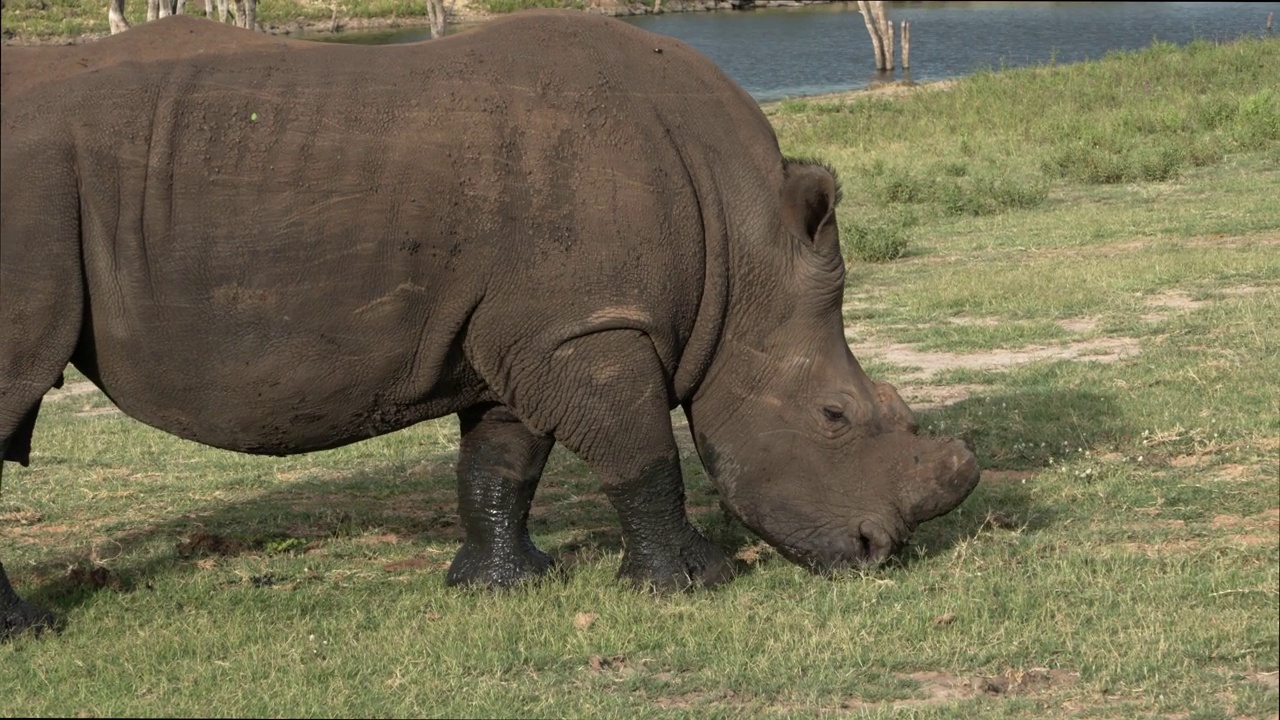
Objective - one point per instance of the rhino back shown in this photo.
(290, 246)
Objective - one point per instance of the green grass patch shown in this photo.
(1120, 558)
(999, 142)
(508, 6)
(34, 19)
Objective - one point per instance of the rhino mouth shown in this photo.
(867, 548)
(863, 545)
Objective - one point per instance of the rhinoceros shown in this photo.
(558, 227)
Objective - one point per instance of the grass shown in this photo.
(35, 19)
(508, 6)
(1024, 139)
(1120, 559)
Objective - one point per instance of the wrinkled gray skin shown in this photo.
(558, 227)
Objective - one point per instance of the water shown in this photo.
(805, 51)
(786, 52)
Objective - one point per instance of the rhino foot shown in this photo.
(694, 562)
(24, 617)
(487, 566)
(17, 615)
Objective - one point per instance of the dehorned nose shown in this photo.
(873, 544)
(965, 470)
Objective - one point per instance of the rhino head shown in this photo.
(808, 452)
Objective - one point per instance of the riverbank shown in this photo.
(66, 22)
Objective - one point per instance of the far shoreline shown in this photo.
(462, 13)
(465, 16)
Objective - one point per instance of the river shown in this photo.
(783, 52)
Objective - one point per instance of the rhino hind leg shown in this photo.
(499, 465)
(17, 615)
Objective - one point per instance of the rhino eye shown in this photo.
(834, 413)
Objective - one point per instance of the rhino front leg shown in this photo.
(618, 420)
(662, 550)
(499, 466)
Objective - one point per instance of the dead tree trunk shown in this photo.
(179, 7)
(435, 14)
(888, 41)
(906, 45)
(247, 14)
(153, 10)
(880, 31)
(886, 32)
(115, 17)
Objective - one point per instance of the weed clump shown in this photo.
(879, 239)
(875, 242)
(958, 188)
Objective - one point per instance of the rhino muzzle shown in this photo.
(826, 526)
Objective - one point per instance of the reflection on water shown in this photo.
(825, 48)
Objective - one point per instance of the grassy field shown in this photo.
(34, 19)
(1087, 286)
(47, 20)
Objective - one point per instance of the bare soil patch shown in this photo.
(1165, 304)
(1253, 530)
(19, 517)
(108, 411)
(934, 688)
(895, 89)
(1232, 472)
(1079, 325)
(422, 562)
(1260, 529)
(379, 539)
(934, 397)
(70, 390)
(1009, 476)
(1104, 350)
(1269, 680)
(938, 688)
(78, 389)
(967, 321)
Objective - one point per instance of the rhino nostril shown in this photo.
(864, 548)
(873, 545)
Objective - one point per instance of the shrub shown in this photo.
(878, 240)
(1258, 120)
(902, 186)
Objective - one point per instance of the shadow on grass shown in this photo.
(410, 505)
(572, 519)
(1015, 435)
(1033, 428)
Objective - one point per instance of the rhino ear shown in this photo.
(810, 193)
